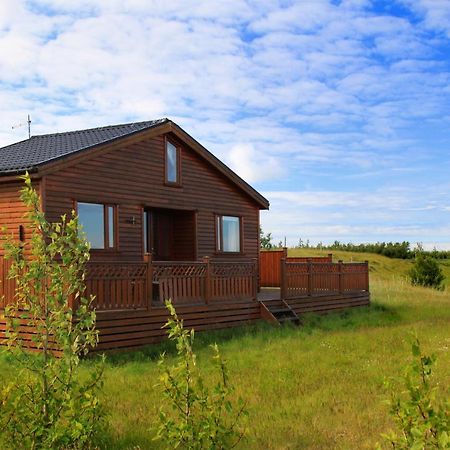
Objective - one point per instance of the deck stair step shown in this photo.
(278, 311)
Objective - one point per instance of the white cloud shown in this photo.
(317, 95)
(253, 166)
(436, 13)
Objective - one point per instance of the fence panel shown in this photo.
(233, 281)
(296, 279)
(270, 265)
(181, 282)
(355, 277)
(325, 278)
(117, 285)
(314, 279)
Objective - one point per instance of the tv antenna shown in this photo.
(28, 122)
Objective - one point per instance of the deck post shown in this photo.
(255, 278)
(367, 275)
(207, 289)
(340, 276)
(283, 279)
(149, 280)
(310, 269)
(330, 257)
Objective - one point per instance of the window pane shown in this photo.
(171, 163)
(231, 234)
(145, 225)
(147, 244)
(111, 226)
(90, 216)
(218, 232)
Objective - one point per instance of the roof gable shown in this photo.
(42, 150)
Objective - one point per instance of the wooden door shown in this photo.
(162, 236)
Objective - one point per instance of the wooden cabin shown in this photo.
(165, 219)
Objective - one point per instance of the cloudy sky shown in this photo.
(338, 111)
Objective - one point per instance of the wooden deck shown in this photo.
(207, 295)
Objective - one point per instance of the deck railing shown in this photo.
(300, 279)
(117, 285)
(204, 282)
(136, 285)
(270, 265)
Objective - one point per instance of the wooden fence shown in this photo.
(300, 279)
(136, 285)
(204, 282)
(270, 265)
(117, 285)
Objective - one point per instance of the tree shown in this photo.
(265, 240)
(194, 416)
(420, 411)
(426, 272)
(48, 405)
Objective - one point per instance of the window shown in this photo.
(172, 163)
(147, 220)
(98, 222)
(228, 232)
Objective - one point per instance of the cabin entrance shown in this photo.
(170, 234)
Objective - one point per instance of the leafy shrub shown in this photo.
(195, 416)
(48, 405)
(426, 272)
(421, 413)
(265, 240)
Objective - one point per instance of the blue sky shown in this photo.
(337, 111)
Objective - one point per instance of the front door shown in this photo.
(162, 236)
(170, 235)
(158, 234)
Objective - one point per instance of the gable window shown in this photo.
(172, 163)
(99, 224)
(228, 233)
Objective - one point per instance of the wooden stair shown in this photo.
(278, 311)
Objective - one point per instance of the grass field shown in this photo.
(319, 386)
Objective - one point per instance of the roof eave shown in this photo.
(218, 164)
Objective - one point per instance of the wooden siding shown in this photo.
(122, 329)
(133, 177)
(328, 303)
(134, 329)
(12, 210)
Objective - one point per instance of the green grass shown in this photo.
(319, 386)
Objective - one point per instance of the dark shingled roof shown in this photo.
(38, 150)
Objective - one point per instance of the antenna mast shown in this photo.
(22, 124)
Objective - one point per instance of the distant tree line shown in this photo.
(400, 250)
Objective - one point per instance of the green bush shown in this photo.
(426, 272)
(420, 411)
(49, 405)
(194, 416)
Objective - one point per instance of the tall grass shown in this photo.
(317, 386)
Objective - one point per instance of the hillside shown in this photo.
(319, 386)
